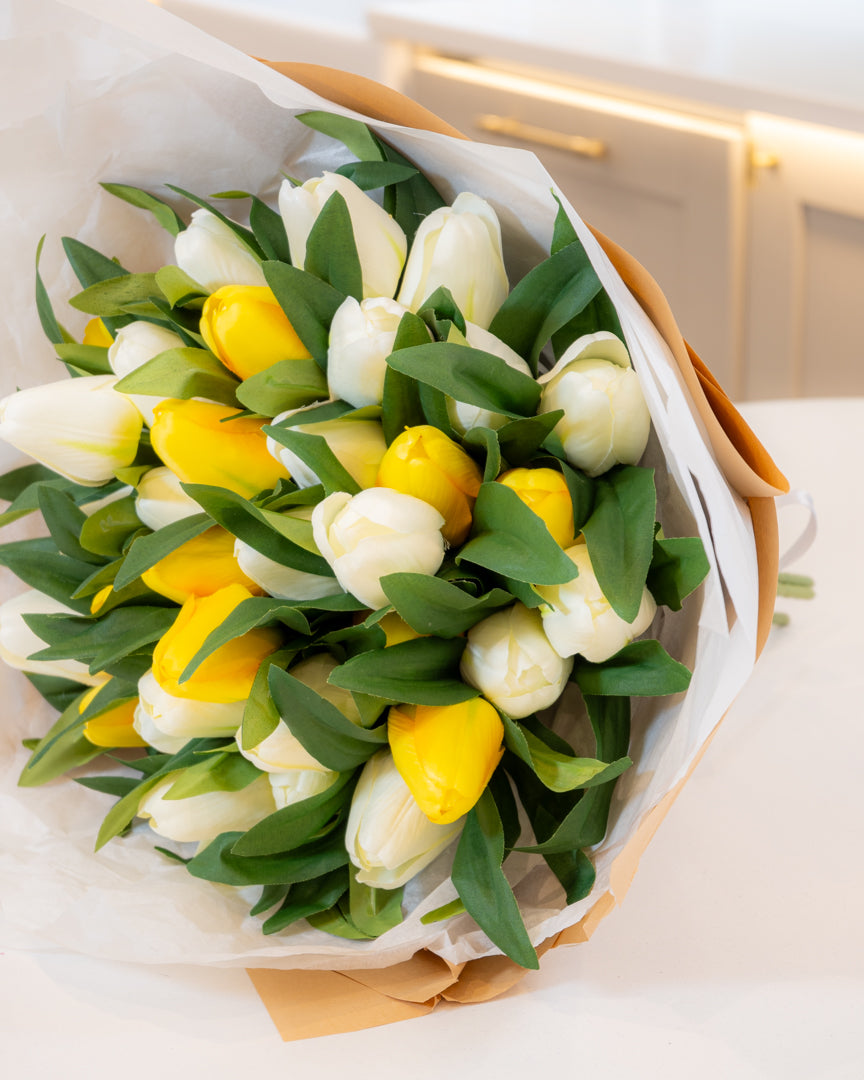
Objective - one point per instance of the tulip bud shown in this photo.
(378, 532)
(97, 333)
(357, 444)
(380, 241)
(248, 330)
(423, 462)
(295, 785)
(202, 445)
(510, 661)
(459, 247)
(168, 722)
(213, 255)
(203, 817)
(81, 428)
(463, 417)
(199, 567)
(545, 492)
(18, 641)
(228, 673)
(134, 345)
(446, 754)
(579, 618)
(388, 837)
(161, 500)
(281, 751)
(284, 582)
(361, 339)
(606, 421)
(113, 728)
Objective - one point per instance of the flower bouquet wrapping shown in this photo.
(387, 570)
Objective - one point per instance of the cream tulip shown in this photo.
(18, 642)
(357, 444)
(380, 241)
(134, 345)
(388, 837)
(579, 619)
(361, 338)
(213, 255)
(161, 499)
(295, 785)
(377, 532)
(281, 581)
(203, 817)
(459, 247)
(606, 421)
(81, 428)
(463, 416)
(168, 722)
(510, 661)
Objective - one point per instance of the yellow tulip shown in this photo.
(228, 673)
(114, 727)
(446, 754)
(424, 463)
(97, 333)
(200, 567)
(198, 442)
(545, 492)
(248, 330)
(396, 630)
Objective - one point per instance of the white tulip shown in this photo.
(606, 421)
(81, 428)
(280, 581)
(510, 661)
(357, 444)
(168, 722)
(361, 339)
(380, 241)
(295, 785)
(161, 500)
(213, 255)
(579, 618)
(134, 345)
(281, 751)
(18, 641)
(378, 532)
(464, 417)
(388, 837)
(203, 817)
(459, 247)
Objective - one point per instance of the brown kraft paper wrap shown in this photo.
(305, 1004)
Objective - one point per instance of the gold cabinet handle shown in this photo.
(575, 144)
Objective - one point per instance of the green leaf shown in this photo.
(58, 692)
(269, 231)
(563, 232)
(640, 669)
(331, 251)
(369, 175)
(108, 785)
(106, 531)
(482, 886)
(243, 234)
(93, 359)
(308, 898)
(337, 921)
(90, 266)
(520, 439)
(222, 771)
(50, 327)
(111, 296)
(309, 303)
(446, 911)
(177, 287)
(182, 373)
(431, 605)
(64, 521)
(600, 314)
(424, 671)
(510, 539)
(257, 611)
(678, 566)
(100, 642)
(581, 488)
(620, 535)
(288, 384)
(297, 823)
(443, 316)
(314, 452)
(546, 299)
(575, 871)
(410, 201)
(167, 217)
(351, 133)
(328, 735)
(146, 551)
(374, 911)
(260, 715)
(217, 862)
(270, 896)
(559, 771)
(64, 747)
(469, 375)
(40, 565)
(401, 405)
(487, 440)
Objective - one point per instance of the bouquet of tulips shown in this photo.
(337, 516)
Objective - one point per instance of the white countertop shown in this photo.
(794, 59)
(738, 952)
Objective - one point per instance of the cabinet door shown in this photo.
(665, 185)
(806, 263)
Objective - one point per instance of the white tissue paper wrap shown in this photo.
(117, 90)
